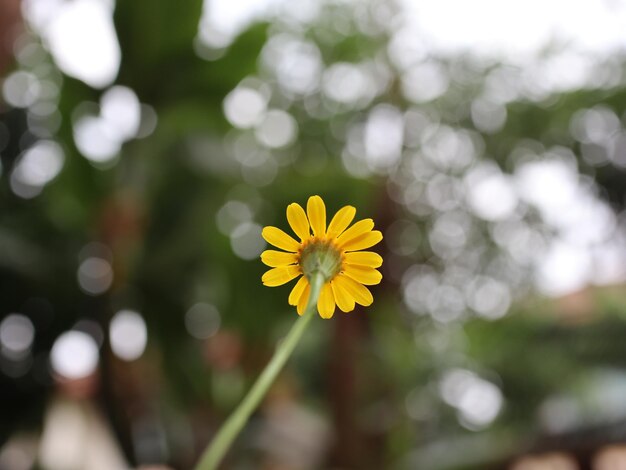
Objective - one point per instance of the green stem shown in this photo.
(214, 453)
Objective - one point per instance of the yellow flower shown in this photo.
(333, 251)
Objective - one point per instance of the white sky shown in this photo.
(505, 28)
(510, 27)
(510, 30)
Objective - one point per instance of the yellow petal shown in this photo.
(316, 210)
(298, 221)
(363, 274)
(275, 258)
(363, 241)
(345, 301)
(361, 227)
(275, 236)
(297, 290)
(359, 292)
(326, 302)
(363, 258)
(304, 299)
(279, 276)
(340, 221)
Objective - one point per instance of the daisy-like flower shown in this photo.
(333, 251)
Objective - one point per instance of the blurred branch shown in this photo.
(10, 27)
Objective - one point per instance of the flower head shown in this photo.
(333, 251)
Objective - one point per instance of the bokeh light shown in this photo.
(128, 335)
(96, 139)
(16, 335)
(21, 89)
(121, 109)
(246, 240)
(74, 355)
(202, 320)
(277, 129)
(244, 107)
(95, 275)
(81, 37)
(477, 400)
(36, 167)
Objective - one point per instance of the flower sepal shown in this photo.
(320, 257)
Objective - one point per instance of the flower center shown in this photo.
(320, 256)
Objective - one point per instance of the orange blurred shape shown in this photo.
(610, 458)
(10, 28)
(223, 350)
(549, 461)
(80, 388)
(154, 467)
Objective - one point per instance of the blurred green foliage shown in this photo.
(375, 376)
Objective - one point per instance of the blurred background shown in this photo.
(145, 143)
